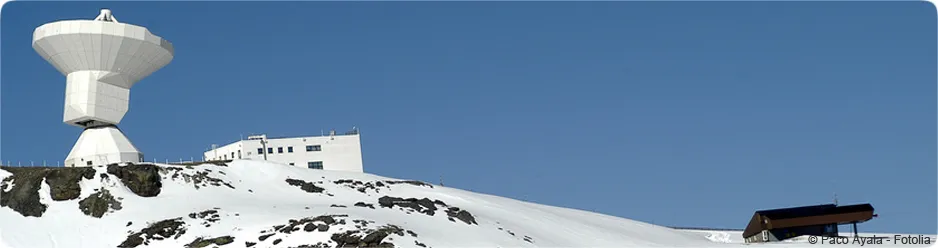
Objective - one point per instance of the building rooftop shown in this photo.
(354, 131)
(806, 216)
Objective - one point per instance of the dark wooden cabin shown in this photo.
(819, 220)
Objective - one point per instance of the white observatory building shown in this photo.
(335, 152)
(101, 59)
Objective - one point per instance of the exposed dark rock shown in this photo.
(157, 231)
(249, 244)
(529, 239)
(419, 244)
(305, 186)
(329, 220)
(201, 215)
(425, 205)
(210, 216)
(63, 182)
(345, 181)
(264, 237)
(363, 187)
(317, 245)
(412, 233)
(23, 196)
(199, 242)
(348, 237)
(198, 178)
(364, 205)
(462, 215)
(367, 238)
(142, 179)
(308, 224)
(337, 206)
(411, 182)
(277, 241)
(99, 203)
(129, 223)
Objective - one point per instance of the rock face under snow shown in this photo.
(258, 204)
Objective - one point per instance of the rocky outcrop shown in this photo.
(462, 215)
(198, 178)
(171, 228)
(367, 238)
(99, 203)
(305, 186)
(376, 186)
(142, 179)
(200, 242)
(23, 196)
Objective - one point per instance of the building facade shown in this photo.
(327, 152)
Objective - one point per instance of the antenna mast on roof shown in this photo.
(106, 16)
(835, 198)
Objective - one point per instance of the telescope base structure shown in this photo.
(101, 146)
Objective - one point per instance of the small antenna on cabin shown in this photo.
(835, 198)
(441, 179)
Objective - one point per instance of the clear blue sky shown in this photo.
(676, 113)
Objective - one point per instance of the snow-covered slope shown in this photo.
(257, 204)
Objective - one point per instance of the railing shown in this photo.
(704, 228)
(46, 163)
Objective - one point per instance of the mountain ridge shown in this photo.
(258, 204)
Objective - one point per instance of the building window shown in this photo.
(279, 149)
(315, 165)
(314, 148)
(290, 149)
(232, 155)
(260, 151)
(89, 163)
(270, 150)
(226, 156)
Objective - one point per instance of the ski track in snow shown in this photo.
(262, 199)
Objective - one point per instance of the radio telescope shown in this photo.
(101, 59)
